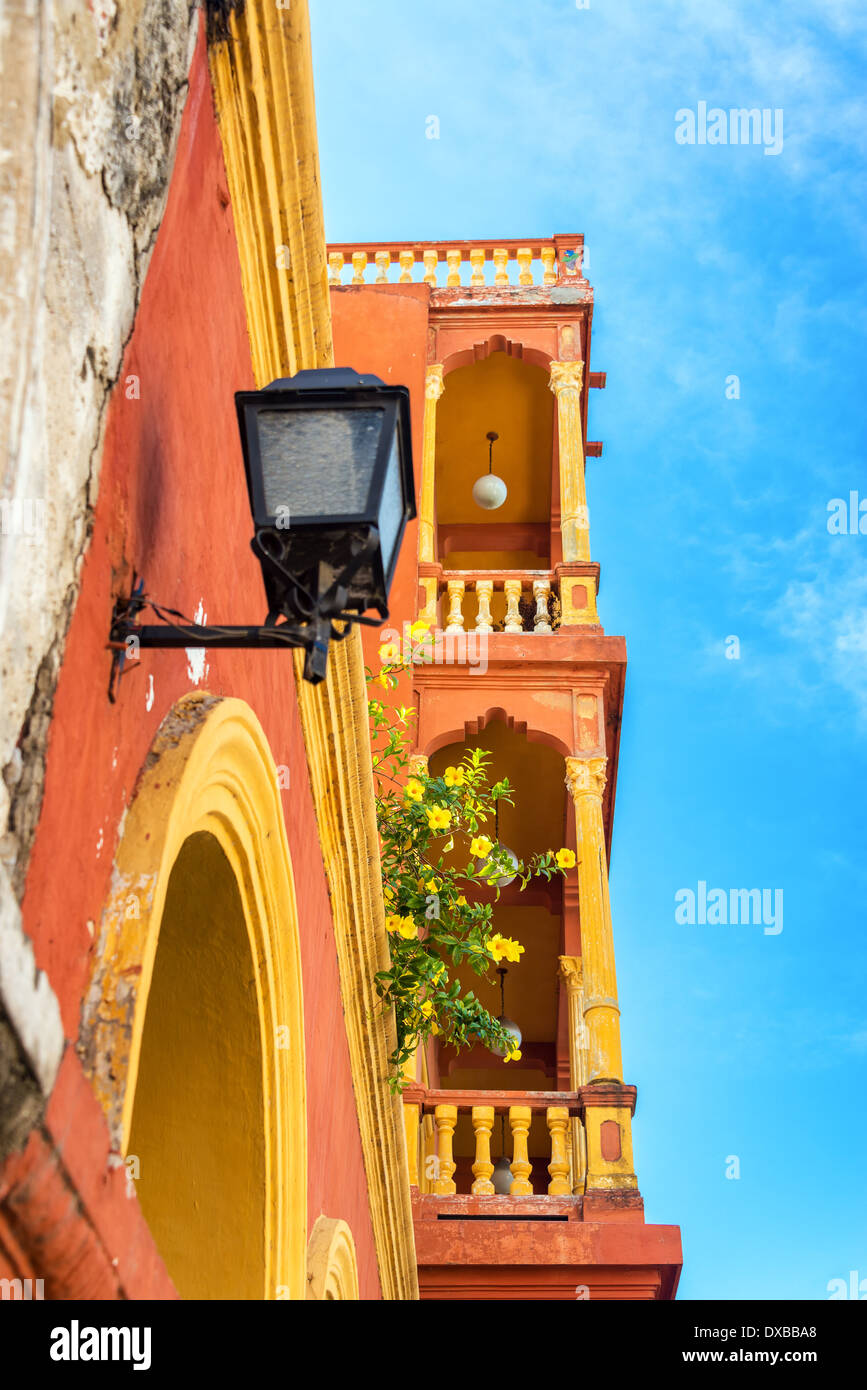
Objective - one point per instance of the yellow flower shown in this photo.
(455, 776)
(407, 928)
(392, 922)
(460, 901)
(431, 885)
(481, 847)
(565, 859)
(414, 790)
(389, 654)
(418, 628)
(427, 1008)
(513, 1056)
(438, 818)
(503, 947)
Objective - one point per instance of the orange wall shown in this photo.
(172, 505)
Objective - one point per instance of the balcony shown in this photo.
(449, 264)
(547, 1239)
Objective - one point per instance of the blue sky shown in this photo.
(709, 517)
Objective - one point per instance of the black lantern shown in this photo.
(329, 475)
(328, 460)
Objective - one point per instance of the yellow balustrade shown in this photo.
(514, 622)
(455, 621)
(558, 1168)
(484, 594)
(541, 594)
(475, 255)
(519, 1123)
(483, 1123)
(573, 975)
(445, 1119)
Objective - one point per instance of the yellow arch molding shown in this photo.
(210, 770)
(332, 1271)
(263, 93)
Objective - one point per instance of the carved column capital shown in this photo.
(417, 764)
(586, 776)
(566, 376)
(434, 384)
(573, 974)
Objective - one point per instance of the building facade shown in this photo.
(494, 341)
(193, 1070)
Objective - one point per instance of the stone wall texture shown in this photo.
(92, 97)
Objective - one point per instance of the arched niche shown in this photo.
(197, 994)
(506, 392)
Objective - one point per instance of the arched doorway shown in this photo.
(193, 1027)
(198, 1120)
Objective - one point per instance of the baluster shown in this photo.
(483, 1123)
(484, 594)
(446, 1117)
(407, 261)
(453, 261)
(501, 264)
(541, 590)
(430, 259)
(477, 262)
(359, 265)
(558, 1124)
(383, 261)
(455, 621)
(335, 267)
(519, 1123)
(524, 257)
(514, 622)
(549, 276)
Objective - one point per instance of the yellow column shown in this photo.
(573, 975)
(566, 381)
(585, 778)
(433, 389)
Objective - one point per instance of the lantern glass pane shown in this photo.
(391, 507)
(318, 462)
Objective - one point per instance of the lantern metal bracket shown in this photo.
(310, 627)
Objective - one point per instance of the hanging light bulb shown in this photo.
(489, 491)
(507, 1023)
(503, 880)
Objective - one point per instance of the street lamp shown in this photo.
(328, 461)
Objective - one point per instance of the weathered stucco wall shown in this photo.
(91, 105)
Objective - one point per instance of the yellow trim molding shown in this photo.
(263, 86)
(332, 1271)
